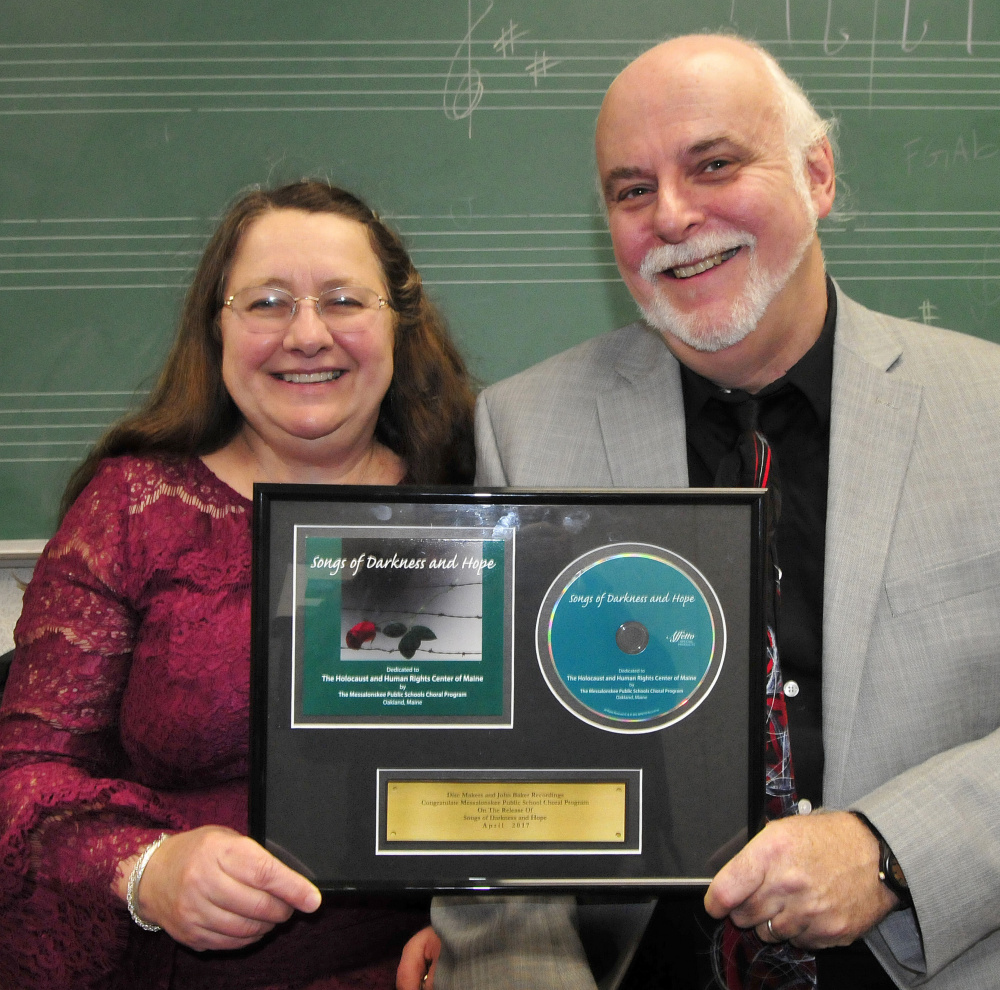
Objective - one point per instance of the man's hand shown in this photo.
(814, 877)
(418, 961)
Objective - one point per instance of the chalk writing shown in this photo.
(906, 42)
(508, 36)
(906, 31)
(464, 85)
(932, 154)
(462, 93)
(539, 68)
(826, 34)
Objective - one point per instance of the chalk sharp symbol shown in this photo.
(540, 66)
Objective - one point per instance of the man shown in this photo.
(714, 171)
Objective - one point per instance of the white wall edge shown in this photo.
(20, 550)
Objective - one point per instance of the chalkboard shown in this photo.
(127, 125)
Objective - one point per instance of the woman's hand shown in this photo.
(212, 888)
(416, 965)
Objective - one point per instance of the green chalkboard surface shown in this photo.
(127, 125)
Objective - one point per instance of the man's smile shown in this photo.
(699, 254)
(687, 271)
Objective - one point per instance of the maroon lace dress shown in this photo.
(126, 714)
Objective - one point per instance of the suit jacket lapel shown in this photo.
(872, 430)
(642, 419)
(874, 416)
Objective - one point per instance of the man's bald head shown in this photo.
(802, 125)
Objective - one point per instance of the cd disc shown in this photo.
(630, 637)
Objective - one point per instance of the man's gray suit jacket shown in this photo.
(911, 625)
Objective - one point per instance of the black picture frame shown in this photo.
(400, 707)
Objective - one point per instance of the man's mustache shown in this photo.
(699, 247)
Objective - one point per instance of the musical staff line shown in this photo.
(33, 427)
(513, 249)
(505, 71)
(443, 243)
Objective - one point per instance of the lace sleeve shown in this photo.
(70, 808)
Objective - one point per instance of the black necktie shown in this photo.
(741, 960)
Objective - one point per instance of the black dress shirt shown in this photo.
(794, 415)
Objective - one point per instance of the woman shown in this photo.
(307, 352)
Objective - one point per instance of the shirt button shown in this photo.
(791, 689)
(805, 806)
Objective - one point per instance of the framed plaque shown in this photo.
(506, 689)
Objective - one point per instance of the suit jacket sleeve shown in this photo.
(911, 639)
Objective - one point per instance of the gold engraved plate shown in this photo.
(502, 811)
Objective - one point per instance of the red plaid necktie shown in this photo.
(740, 959)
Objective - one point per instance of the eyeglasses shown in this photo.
(346, 309)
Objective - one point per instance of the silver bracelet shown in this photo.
(133, 884)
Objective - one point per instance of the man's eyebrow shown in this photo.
(710, 144)
(622, 172)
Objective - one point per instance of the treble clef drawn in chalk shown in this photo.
(464, 91)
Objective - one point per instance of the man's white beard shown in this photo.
(696, 329)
